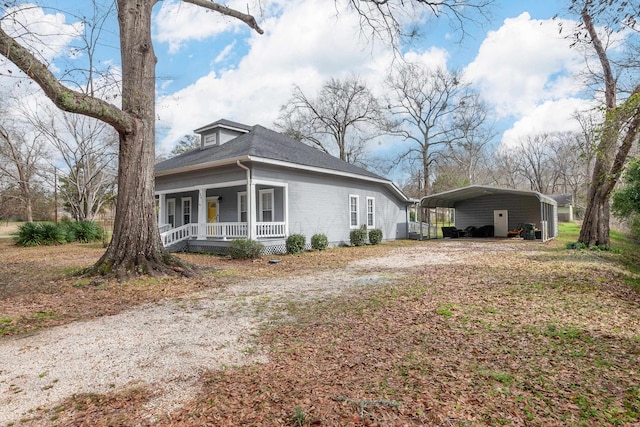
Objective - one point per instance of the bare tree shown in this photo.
(89, 150)
(504, 170)
(20, 159)
(431, 112)
(474, 133)
(621, 125)
(536, 162)
(339, 121)
(387, 19)
(187, 143)
(571, 161)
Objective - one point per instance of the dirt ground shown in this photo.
(450, 332)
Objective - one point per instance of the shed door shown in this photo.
(501, 222)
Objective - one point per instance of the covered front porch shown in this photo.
(222, 231)
(221, 213)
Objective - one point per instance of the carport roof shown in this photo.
(448, 199)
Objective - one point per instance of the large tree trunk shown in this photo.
(136, 247)
(606, 173)
(595, 225)
(619, 132)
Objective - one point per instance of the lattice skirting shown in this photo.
(277, 247)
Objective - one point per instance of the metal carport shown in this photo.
(479, 205)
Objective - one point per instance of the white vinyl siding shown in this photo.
(265, 198)
(353, 211)
(186, 210)
(371, 212)
(242, 206)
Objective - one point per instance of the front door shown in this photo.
(501, 223)
(212, 210)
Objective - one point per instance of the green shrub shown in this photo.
(29, 234)
(576, 245)
(375, 236)
(319, 242)
(85, 231)
(634, 225)
(358, 237)
(35, 234)
(245, 249)
(296, 243)
(53, 234)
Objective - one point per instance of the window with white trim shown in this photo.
(371, 212)
(353, 211)
(242, 207)
(186, 210)
(171, 212)
(266, 205)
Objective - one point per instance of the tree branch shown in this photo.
(63, 97)
(244, 17)
(609, 80)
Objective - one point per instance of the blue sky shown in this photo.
(212, 67)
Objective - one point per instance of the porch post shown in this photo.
(202, 213)
(286, 210)
(162, 207)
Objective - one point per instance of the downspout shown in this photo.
(249, 200)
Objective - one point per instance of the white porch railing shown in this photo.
(178, 234)
(221, 230)
(225, 230)
(270, 229)
(164, 227)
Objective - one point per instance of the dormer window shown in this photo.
(211, 139)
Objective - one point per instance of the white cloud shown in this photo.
(46, 35)
(523, 63)
(433, 58)
(306, 44)
(548, 117)
(177, 22)
(225, 52)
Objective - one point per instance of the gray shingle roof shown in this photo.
(224, 123)
(263, 143)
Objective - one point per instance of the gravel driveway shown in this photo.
(168, 345)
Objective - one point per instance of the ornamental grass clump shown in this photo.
(86, 231)
(36, 234)
(29, 234)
